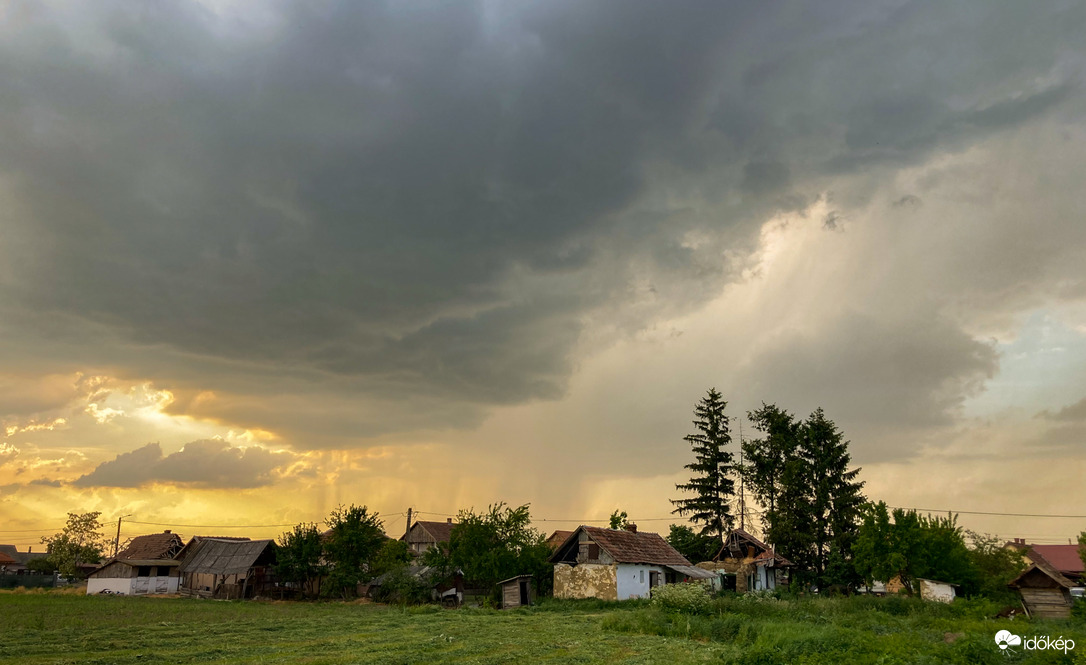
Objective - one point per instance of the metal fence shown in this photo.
(30, 581)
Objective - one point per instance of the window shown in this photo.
(143, 571)
(642, 577)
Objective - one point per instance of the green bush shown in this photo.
(692, 598)
(401, 587)
(1078, 610)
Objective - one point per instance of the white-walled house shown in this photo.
(134, 577)
(146, 566)
(613, 564)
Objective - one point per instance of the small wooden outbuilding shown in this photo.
(516, 592)
(1045, 592)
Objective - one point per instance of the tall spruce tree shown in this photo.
(712, 484)
(835, 501)
(766, 458)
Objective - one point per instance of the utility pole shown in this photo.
(742, 488)
(408, 531)
(117, 540)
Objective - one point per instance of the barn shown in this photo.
(227, 568)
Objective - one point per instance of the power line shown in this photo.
(977, 512)
(210, 526)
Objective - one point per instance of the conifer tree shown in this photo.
(766, 467)
(835, 500)
(712, 484)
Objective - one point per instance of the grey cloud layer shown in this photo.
(207, 463)
(432, 202)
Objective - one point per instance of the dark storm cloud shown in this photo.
(208, 463)
(430, 201)
(873, 374)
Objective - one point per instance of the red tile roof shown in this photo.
(6, 559)
(1064, 558)
(154, 546)
(635, 547)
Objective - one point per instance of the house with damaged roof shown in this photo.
(747, 564)
(148, 565)
(617, 564)
(227, 568)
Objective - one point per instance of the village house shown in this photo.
(148, 565)
(1064, 559)
(227, 568)
(1045, 592)
(617, 564)
(7, 562)
(745, 563)
(21, 559)
(423, 535)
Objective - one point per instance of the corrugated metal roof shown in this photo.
(224, 557)
(694, 571)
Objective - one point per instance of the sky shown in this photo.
(259, 259)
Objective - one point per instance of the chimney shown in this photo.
(448, 520)
(167, 531)
(631, 527)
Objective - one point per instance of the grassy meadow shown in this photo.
(61, 628)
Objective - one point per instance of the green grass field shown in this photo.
(39, 628)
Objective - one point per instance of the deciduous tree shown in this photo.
(619, 520)
(906, 545)
(81, 541)
(495, 545)
(299, 559)
(354, 538)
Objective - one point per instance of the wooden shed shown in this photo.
(1045, 592)
(516, 592)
